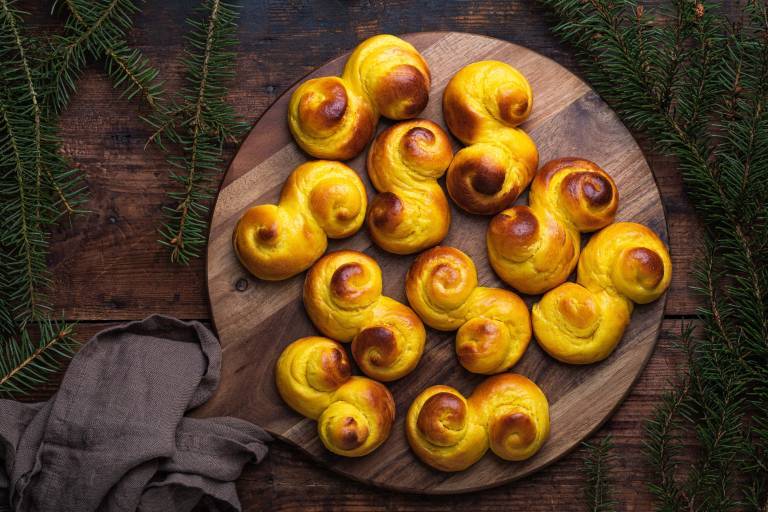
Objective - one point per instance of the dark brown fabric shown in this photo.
(115, 438)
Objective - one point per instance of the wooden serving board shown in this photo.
(256, 319)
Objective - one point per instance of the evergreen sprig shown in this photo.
(598, 489)
(697, 85)
(199, 121)
(99, 30)
(26, 364)
(93, 28)
(37, 185)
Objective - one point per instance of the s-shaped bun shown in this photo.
(507, 413)
(411, 211)
(535, 248)
(342, 296)
(335, 117)
(582, 323)
(320, 200)
(483, 104)
(494, 326)
(354, 414)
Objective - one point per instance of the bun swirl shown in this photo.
(354, 414)
(335, 117)
(582, 323)
(483, 104)
(494, 325)
(411, 212)
(534, 248)
(507, 413)
(343, 298)
(320, 199)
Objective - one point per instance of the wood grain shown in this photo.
(255, 322)
(108, 266)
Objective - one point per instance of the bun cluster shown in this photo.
(532, 248)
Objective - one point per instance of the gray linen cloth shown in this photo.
(115, 438)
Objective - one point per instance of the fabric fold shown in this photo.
(115, 436)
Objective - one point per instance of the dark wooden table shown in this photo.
(108, 266)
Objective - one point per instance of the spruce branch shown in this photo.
(598, 490)
(662, 447)
(26, 364)
(22, 234)
(10, 24)
(199, 121)
(127, 67)
(93, 28)
(37, 186)
(66, 198)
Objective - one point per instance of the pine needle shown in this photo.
(26, 364)
(598, 489)
(37, 186)
(199, 122)
(126, 66)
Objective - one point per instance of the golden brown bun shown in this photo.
(482, 105)
(494, 326)
(320, 199)
(411, 212)
(354, 414)
(507, 412)
(535, 248)
(342, 296)
(582, 323)
(335, 117)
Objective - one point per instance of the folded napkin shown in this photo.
(114, 437)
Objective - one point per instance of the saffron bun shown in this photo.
(507, 413)
(354, 414)
(583, 322)
(536, 247)
(483, 105)
(493, 325)
(335, 117)
(343, 298)
(321, 199)
(411, 212)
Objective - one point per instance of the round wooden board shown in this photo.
(256, 319)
